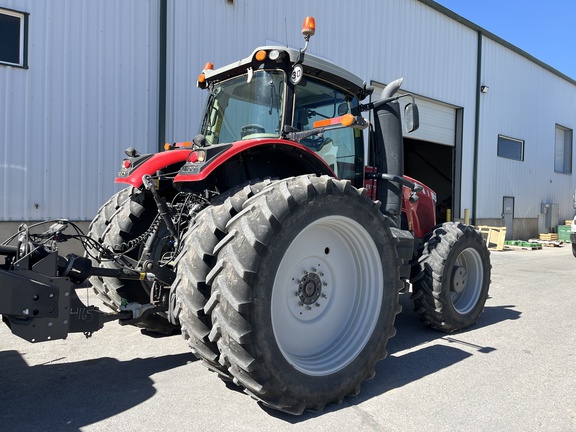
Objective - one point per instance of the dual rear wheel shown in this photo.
(303, 293)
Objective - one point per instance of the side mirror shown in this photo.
(411, 117)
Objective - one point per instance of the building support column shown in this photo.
(163, 39)
(477, 127)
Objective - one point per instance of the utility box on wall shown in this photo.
(548, 217)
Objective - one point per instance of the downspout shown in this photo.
(162, 42)
(476, 128)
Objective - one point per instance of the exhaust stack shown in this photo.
(389, 151)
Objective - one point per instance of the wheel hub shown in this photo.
(459, 279)
(310, 288)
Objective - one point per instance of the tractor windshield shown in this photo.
(245, 107)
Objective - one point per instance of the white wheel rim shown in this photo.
(327, 295)
(467, 281)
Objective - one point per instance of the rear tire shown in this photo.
(126, 215)
(194, 263)
(452, 287)
(305, 293)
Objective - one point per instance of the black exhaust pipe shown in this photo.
(389, 156)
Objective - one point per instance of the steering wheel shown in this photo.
(316, 144)
(251, 129)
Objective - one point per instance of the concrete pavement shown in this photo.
(514, 371)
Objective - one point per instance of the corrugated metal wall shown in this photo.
(525, 102)
(377, 40)
(381, 41)
(90, 91)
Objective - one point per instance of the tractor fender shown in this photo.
(259, 157)
(420, 213)
(151, 165)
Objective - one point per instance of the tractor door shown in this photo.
(342, 149)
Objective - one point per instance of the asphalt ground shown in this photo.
(514, 371)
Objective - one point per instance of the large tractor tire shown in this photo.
(451, 289)
(305, 293)
(127, 215)
(194, 263)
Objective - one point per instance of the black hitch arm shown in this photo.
(38, 299)
(38, 307)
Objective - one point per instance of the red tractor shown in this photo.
(276, 241)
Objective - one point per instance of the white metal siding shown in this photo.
(525, 102)
(90, 91)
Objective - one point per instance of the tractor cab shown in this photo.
(300, 103)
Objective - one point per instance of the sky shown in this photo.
(545, 30)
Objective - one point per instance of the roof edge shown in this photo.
(460, 19)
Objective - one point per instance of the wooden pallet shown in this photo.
(549, 236)
(494, 236)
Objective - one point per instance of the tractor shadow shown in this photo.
(69, 396)
(414, 353)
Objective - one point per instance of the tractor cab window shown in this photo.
(318, 101)
(245, 107)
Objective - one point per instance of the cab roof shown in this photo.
(313, 66)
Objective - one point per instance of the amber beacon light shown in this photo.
(309, 26)
(308, 29)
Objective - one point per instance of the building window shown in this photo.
(563, 150)
(13, 38)
(510, 148)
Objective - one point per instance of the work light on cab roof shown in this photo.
(202, 77)
(308, 30)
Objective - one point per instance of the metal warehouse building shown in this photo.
(82, 80)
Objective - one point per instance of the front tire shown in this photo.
(452, 287)
(305, 293)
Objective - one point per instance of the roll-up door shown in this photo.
(437, 119)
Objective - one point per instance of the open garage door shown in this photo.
(432, 164)
(432, 154)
